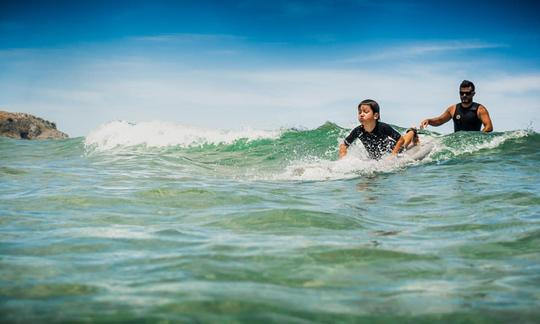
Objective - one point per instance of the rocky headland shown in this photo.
(26, 126)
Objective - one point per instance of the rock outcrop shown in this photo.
(26, 126)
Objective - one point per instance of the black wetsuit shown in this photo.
(466, 119)
(381, 140)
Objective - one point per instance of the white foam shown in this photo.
(356, 163)
(163, 134)
(490, 144)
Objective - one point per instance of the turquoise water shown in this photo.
(160, 222)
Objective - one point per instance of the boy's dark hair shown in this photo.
(373, 104)
(466, 84)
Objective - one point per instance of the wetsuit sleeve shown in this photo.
(352, 136)
(390, 132)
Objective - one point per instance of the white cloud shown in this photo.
(510, 85)
(80, 97)
(188, 38)
(420, 49)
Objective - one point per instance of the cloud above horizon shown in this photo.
(266, 65)
(97, 90)
(187, 38)
(412, 50)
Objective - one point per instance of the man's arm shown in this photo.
(437, 121)
(483, 114)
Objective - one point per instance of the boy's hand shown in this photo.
(342, 150)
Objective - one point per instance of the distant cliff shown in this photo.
(25, 126)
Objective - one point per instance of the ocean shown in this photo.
(161, 222)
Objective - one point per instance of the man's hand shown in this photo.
(424, 123)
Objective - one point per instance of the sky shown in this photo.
(267, 64)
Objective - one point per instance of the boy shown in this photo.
(377, 137)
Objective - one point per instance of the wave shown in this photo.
(463, 143)
(163, 134)
(284, 154)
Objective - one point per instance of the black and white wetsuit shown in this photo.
(381, 140)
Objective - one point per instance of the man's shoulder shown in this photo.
(481, 107)
(452, 109)
(478, 107)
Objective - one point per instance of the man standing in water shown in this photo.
(467, 115)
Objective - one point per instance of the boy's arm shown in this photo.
(398, 146)
(437, 121)
(348, 141)
(409, 137)
(342, 150)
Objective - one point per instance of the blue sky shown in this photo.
(238, 64)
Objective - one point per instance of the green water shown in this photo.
(270, 230)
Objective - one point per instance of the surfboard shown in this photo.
(418, 152)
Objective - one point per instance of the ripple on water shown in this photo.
(525, 244)
(195, 198)
(48, 290)
(12, 171)
(475, 227)
(285, 221)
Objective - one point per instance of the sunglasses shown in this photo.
(466, 93)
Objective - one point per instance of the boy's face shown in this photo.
(366, 115)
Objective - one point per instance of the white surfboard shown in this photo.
(418, 152)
